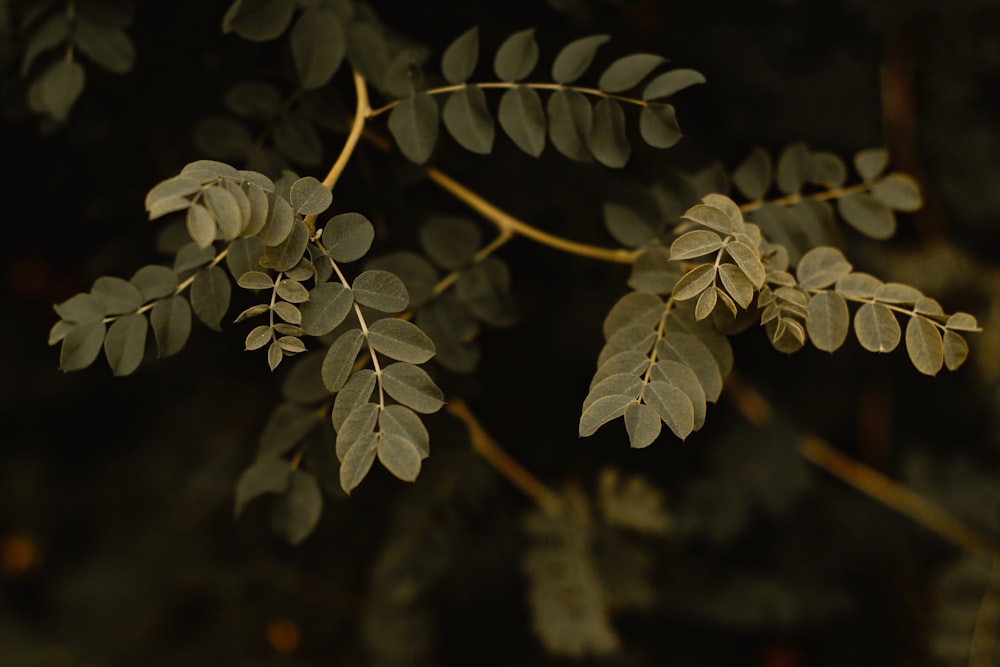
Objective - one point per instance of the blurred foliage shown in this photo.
(118, 544)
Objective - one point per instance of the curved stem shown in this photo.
(594, 92)
(508, 223)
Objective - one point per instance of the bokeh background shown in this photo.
(118, 544)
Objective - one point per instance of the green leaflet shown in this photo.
(414, 126)
(348, 237)
(297, 511)
(628, 71)
(328, 305)
(340, 359)
(411, 386)
(635, 308)
(570, 120)
(828, 321)
(658, 125)
(286, 255)
(924, 345)
(318, 46)
(125, 343)
(57, 89)
(517, 56)
(81, 345)
(266, 475)
(627, 226)
(380, 290)
(822, 267)
(357, 461)
(607, 140)
(753, 176)
(668, 83)
(523, 119)
(399, 455)
(309, 197)
(418, 275)
(355, 392)
(876, 328)
(458, 61)
(871, 162)
(356, 428)
(154, 282)
(171, 322)
(467, 118)
(672, 405)
(402, 421)
(574, 58)
(601, 411)
(867, 215)
(278, 222)
(484, 289)
(210, 293)
(401, 340)
(642, 423)
(899, 192)
(449, 241)
(117, 295)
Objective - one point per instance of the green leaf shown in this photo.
(517, 56)
(636, 337)
(258, 337)
(286, 255)
(458, 61)
(414, 125)
(601, 411)
(296, 512)
(286, 426)
(450, 241)
(255, 280)
(259, 211)
(962, 322)
(654, 272)
(81, 346)
(328, 305)
(523, 119)
(628, 71)
(400, 340)
(899, 192)
(826, 169)
(258, 20)
(171, 321)
(348, 236)
(629, 362)
(897, 293)
(339, 359)
(81, 308)
(210, 294)
(59, 331)
(621, 384)
(574, 58)
(672, 405)
(876, 328)
(402, 421)
(356, 391)
(287, 312)
(417, 274)
(200, 225)
(607, 140)
(356, 428)
(713, 218)
(266, 475)
(635, 308)
(858, 285)
(668, 83)
(658, 125)
(924, 345)
(753, 176)
(309, 197)
(318, 46)
(791, 172)
(484, 288)
(154, 282)
(955, 350)
(749, 262)
(117, 295)
(380, 290)
(225, 205)
(707, 301)
(357, 461)
(125, 343)
(627, 226)
(468, 119)
(822, 267)
(57, 89)
(292, 291)
(695, 244)
(452, 328)
(570, 120)
(695, 281)
(411, 386)
(828, 321)
(682, 377)
(52, 33)
(642, 423)
(867, 215)
(693, 353)
(177, 189)
(399, 456)
(279, 222)
(871, 162)
(737, 285)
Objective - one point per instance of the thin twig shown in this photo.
(506, 465)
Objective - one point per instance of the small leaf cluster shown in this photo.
(577, 128)
(55, 34)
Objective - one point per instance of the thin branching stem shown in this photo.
(442, 90)
(795, 198)
(506, 465)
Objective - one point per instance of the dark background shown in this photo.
(117, 540)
